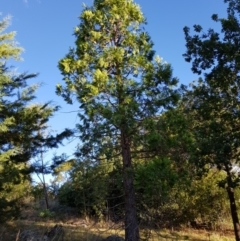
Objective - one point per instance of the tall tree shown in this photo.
(215, 102)
(120, 86)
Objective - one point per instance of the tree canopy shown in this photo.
(214, 101)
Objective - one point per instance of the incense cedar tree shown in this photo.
(121, 86)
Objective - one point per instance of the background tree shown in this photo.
(21, 123)
(214, 102)
(42, 167)
(120, 88)
(88, 196)
(19, 137)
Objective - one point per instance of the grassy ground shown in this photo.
(76, 229)
(91, 232)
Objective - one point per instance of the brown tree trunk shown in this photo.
(233, 207)
(131, 222)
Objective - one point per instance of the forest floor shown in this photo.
(39, 221)
(94, 232)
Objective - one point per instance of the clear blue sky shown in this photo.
(44, 29)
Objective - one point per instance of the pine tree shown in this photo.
(120, 86)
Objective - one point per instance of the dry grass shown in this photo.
(93, 232)
(86, 230)
(192, 235)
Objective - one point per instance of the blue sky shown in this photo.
(44, 29)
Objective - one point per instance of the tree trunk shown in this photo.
(131, 222)
(234, 214)
(44, 184)
(45, 195)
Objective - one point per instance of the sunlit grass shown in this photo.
(192, 235)
(9, 232)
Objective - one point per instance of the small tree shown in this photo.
(41, 167)
(120, 88)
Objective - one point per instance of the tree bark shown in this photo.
(233, 207)
(44, 183)
(131, 222)
(45, 195)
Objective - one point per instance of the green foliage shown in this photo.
(89, 189)
(166, 197)
(67, 195)
(168, 200)
(121, 86)
(214, 102)
(8, 47)
(46, 213)
(199, 199)
(20, 139)
(209, 202)
(113, 74)
(155, 179)
(37, 192)
(21, 123)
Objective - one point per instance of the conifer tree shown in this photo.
(8, 47)
(121, 86)
(21, 121)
